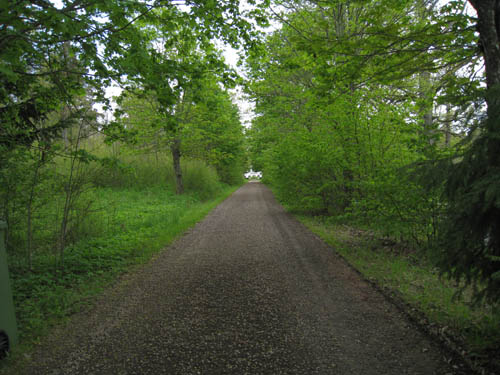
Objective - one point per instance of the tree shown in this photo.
(488, 23)
(343, 89)
(210, 131)
(215, 133)
(470, 238)
(37, 38)
(170, 69)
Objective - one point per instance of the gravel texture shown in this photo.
(249, 290)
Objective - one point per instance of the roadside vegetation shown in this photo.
(383, 116)
(125, 212)
(440, 306)
(89, 189)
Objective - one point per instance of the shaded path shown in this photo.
(247, 291)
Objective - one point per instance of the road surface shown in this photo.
(249, 290)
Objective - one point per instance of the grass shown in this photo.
(127, 229)
(408, 275)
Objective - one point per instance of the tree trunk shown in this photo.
(72, 189)
(176, 158)
(29, 226)
(447, 125)
(425, 82)
(488, 13)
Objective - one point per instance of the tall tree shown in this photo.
(471, 232)
(210, 130)
(36, 38)
(170, 67)
(341, 80)
(55, 53)
(488, 23)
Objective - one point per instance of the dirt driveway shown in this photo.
(247, 291)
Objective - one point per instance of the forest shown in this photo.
(378, 116)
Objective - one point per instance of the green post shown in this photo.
(8, 325)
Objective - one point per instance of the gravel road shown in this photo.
(249, 290)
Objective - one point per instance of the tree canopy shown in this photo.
(52, 54)
(380, 112)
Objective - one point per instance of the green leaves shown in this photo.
(358, 105)
(100, 40)
(204, 120)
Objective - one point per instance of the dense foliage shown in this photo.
(69, 154)
(373, 112)
(58, 58)
(471, 236)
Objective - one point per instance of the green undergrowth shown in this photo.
(127, 229)
(410, 276)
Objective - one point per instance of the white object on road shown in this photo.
(251, 174)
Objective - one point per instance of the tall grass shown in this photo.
(147, 170)
(113, 170)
